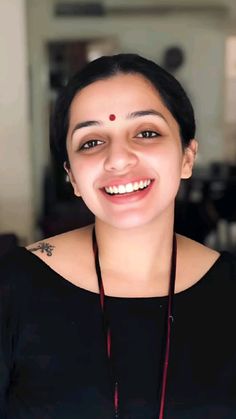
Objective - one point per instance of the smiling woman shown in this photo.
(109, 158)
(104, 321)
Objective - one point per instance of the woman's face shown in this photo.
(127, 167)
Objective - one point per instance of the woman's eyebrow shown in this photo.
(85, 124)
(146, 112)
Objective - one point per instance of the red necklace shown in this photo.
(107, 330)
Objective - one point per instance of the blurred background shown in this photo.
(43, 42)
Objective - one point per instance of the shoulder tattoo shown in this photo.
(43, 247)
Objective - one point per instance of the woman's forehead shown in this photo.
(116, 101)
(121, 93)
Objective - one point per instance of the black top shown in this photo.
(53, 362)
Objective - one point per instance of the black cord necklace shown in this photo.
(107, 330)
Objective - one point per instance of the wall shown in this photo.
(15, 168)
(230, 98)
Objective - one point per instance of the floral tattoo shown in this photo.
(43, 247)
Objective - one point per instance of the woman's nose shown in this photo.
(120, 158)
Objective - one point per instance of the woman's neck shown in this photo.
(136, 256)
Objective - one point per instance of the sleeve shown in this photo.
(6, 333)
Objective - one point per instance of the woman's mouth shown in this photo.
(128, 187)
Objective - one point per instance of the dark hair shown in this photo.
(169, 89)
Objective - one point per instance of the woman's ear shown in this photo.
(190, 153)
(71, 178)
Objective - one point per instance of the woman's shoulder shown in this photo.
(197, 261)
(56, 252)
(195, 251)
(68, 255)
(62, 244)
(16, 267)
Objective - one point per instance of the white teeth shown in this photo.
(128, 188)
(136, 186)
(121, 189)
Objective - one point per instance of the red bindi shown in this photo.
(112, 117)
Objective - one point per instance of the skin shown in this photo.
(134, 232)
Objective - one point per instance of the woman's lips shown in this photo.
(125, 197)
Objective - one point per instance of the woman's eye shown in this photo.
(90, 144)
(148, 134)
